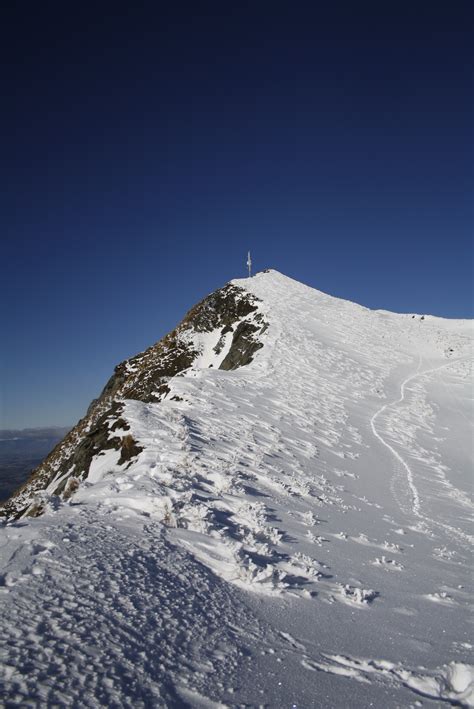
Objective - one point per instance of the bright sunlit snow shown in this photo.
(296, 532)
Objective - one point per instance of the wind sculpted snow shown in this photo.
(294, 532)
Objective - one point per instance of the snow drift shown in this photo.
(280, 488)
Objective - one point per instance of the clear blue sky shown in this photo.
(145, 150)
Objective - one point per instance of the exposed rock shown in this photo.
(220, 345)
(129, 450)
(144, 377)
(71, 487)
(243, 347)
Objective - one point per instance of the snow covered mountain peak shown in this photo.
(295, 447)
(292, 327)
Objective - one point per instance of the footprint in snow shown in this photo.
(388, 563)
(355, 596)
(42, 547)
(441, 597)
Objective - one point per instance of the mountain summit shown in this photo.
(219, 331)
(276, 496)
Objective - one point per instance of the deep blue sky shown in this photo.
(145, 150)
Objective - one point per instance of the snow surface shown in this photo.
(296, 532)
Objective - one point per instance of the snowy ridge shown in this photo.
(220, 331)
(322, 488)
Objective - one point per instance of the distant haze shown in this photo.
(21, 451)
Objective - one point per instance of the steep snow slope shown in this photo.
(295, 531)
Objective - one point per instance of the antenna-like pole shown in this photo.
(249, 264)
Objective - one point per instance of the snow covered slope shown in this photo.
(269, 507)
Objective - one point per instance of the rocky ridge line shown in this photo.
(143, 377)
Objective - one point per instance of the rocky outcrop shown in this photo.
(244, 344)
(146, 378)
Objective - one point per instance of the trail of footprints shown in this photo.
(228, 504)
(125, 632)
(233, 491)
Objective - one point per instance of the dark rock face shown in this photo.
(145, 378)
(243, 347)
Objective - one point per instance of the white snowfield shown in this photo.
(295, 533)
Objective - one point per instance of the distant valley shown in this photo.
(21, 451)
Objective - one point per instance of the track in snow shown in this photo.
(411, 483)
(415, 495)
